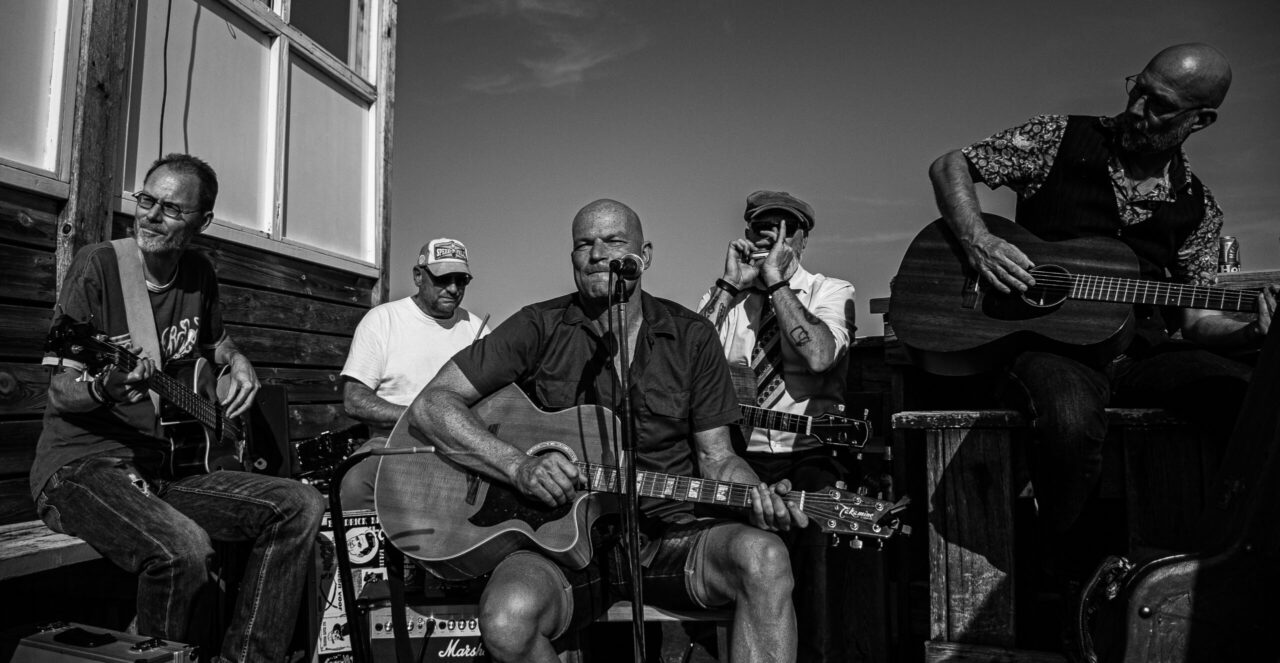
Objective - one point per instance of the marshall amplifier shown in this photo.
(447, 632)
(72, 643)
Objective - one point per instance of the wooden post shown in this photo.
(386, 101)
(100, 97)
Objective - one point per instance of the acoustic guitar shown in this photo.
(201, 437)
(952, 322)
(459, 524)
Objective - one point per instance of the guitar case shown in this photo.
(1219, 604)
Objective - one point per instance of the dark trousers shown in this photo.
(162, 531)
(1066, 400)
(819, 568)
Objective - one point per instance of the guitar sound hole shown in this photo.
(1053, 285)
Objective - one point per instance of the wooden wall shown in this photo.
(294, 320)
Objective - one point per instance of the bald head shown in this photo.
(613, 211)
(1199, 72)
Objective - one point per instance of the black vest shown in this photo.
(1077, 200)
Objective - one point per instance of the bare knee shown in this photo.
(519, 611)
(762, 564)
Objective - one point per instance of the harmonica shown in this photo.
(756, 255)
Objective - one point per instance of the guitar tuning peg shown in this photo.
(840, 408)
(835, 540)
(862, 490)
(866, 413)
(855, 544)
(840, 485)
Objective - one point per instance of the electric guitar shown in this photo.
(952, 322)
(459, 524)
(201, 437)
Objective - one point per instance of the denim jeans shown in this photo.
(162, 531)
(1066, 400)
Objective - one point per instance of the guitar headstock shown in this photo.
(82, 342)
(837, 430)
(838, 511)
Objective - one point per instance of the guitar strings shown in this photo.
(1091, 283)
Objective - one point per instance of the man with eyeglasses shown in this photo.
(1124, 177)
(786, 334)
(399, 346)
(100, 470)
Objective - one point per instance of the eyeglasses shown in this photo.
(455, 278)
(146, 201)
(1156, 110)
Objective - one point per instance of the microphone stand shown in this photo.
(630, 494)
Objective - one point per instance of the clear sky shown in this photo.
(510, 115)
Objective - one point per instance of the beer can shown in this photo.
(1228, 254)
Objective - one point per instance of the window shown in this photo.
(34, 34)
(284, 110)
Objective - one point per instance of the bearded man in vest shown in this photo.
(1124, 177)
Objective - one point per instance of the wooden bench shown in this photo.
(621, 612)
(31, 547)
(973, 477)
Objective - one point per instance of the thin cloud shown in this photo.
(572, 39)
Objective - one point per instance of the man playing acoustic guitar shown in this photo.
(559, 352)
(100, 470)
(1124, 177)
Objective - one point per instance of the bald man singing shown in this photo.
(1124, 177)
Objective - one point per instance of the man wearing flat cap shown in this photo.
(786, 334)
(399, 346)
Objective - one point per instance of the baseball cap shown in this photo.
(444, 256)
(761, 201)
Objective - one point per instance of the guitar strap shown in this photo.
(137, 304)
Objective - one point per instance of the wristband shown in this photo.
(777, 286)
(727, 287)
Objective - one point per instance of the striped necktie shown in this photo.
(766, 357)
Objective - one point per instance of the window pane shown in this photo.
(33, 49)
(205, 94)
(328, 22)
(327, 181)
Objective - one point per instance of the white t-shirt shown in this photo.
(397, 348)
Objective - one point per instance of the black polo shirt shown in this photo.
(680, 382)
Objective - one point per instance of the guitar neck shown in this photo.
(759, 417)
(1134, 291)
(182, 396)
(607, 478)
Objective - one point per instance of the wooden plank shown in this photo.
(277, 346)
(28, 219)
(305, 385)
(24, 329)
(270, 309)
(932, 419)
(15, 501)
(969, 478)
(23, 389)
(621, 612)
(18, 447)
(312, 420)
(31, 547)
(95, 130)
(28, 273)
(261, 270)
(953, 652)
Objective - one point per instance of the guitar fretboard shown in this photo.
(171, 389)
(1133, 291)
(607, 478)
(759, 417)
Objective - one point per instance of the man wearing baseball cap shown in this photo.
(786, 334)
(399, 346)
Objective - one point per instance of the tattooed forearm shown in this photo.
(800, 336)
(715, 311)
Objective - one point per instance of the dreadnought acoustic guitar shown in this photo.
(201, 437)
(460, 525)
(953, 323)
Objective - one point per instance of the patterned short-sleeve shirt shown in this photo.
(1021, 157)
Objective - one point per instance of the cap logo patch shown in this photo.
(449, 251)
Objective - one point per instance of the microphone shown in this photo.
(629, 267)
